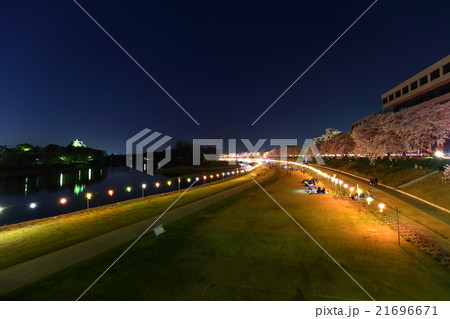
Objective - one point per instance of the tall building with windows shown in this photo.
(431, 85)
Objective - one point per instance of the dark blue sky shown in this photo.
(62, 78)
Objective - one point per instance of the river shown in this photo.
(28, 197)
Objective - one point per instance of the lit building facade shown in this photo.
(430, 86)
(329, 132)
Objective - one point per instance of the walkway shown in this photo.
(29, 271)
(433, 210)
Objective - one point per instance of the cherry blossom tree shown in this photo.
(342, 144)
(446, 175)
(414, 129)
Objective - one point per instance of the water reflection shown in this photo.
(53, 182)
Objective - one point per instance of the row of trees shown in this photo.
(29, 155)
(416, 129)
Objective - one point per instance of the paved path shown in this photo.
(432, 210)
(26, 272)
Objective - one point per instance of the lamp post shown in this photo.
(179, 182)
(398, 226)
(144, 186)
(204, 179)
(223, 177)
(88, 198)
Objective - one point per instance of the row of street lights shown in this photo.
(111, 192)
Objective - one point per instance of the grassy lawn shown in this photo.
(432, 189)
(393, 176)
(28, 240)
(246, 248)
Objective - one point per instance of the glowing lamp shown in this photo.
(169, 183)
(89, 195)
(369, 200)
(110, 192)
(33, 205)
(439, 154)
(381, 206)
(157, 185)
(345, 185)
(144, 186)
(189, 180)
(63, 201)
(128, 189)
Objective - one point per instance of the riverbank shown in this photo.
(430, 188)
(246, 248)
(391, 173)
(24, 241)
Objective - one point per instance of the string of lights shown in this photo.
(64, 200)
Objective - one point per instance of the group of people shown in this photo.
(310, 182)
(374, 181)
(318, 190)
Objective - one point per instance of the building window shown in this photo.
(414, 85)
(423, 80)
(446, 68)
(391, 97)
(434, 75)
(397, 94)
(405, 90)
(385, 100)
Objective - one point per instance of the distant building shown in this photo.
(78, 143)
(429, 86)
(329, 132)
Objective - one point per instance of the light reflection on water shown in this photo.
(17, 193)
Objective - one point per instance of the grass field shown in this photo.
(432, 189)
(247, 248)
(28, 240)
(393, 176)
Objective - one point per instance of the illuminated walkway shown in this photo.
(29, 271)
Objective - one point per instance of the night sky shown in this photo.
(62, 78)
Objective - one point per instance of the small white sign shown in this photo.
(159, 230)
